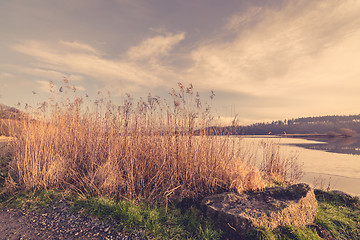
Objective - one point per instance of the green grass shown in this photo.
(338, 217)
(158, 222)
(150, 220)
(339, 214)
(288, 232)
(5, 158)
(31, 200)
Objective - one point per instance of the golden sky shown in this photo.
(265, 60)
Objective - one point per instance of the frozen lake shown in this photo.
(323, 164)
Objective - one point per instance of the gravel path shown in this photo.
(56, 222)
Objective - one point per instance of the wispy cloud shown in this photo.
(138, 68)
(155, 47)
(51, 75)
(259, 51)
(5, 76)
(46, 86)
(79, 47)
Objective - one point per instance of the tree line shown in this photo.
(332, 125)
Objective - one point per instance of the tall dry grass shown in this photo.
(142, 149)
(278, 167)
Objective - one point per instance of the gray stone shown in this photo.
(279, 206)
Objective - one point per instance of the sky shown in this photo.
(264, 59)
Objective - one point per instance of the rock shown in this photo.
(279, 206)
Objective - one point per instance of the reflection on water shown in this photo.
(348, 145)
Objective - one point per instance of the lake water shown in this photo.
(333, 163)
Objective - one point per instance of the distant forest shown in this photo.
(332, 125)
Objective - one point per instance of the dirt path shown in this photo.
(56, 222)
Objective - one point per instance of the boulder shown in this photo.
(279, 206)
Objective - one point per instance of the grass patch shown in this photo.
(338, 217)
(134, 217)
(288, 232)
(339, 214)
(5, 158)
(157, 222)
(31, 200)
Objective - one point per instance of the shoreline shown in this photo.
(323, 181)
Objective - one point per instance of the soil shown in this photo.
(56, 222)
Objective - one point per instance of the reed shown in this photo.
(144, 150)
(278, 167)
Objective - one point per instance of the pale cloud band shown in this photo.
(140, 67)
(155, 47)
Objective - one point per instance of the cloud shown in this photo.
(155, 47)
(80, 47)
(81, 59)
(43, 86)
(304, 53)
(243, 19)
(46, 87)
(259, 50)
(50, 74)
(5, 76)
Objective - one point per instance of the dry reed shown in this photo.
(279, 167)
(136, 150)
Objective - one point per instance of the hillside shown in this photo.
(7, 112)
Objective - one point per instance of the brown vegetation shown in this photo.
(278, 167)
(9, 120)
(135, 150)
